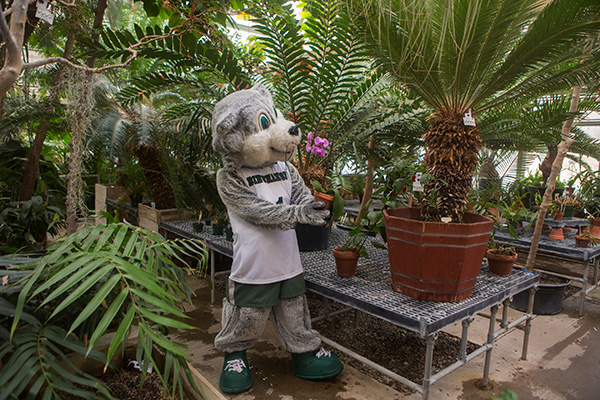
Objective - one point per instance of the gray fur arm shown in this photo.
(242, 201)
(300, 193)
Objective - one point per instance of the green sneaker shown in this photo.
(235, 376)
(315, 365)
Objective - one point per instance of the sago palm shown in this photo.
(462, 55)
(321, 76)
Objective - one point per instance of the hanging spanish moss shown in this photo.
(452, 154)
(80, 113)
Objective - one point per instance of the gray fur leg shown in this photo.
(241, 327)
(291, 320)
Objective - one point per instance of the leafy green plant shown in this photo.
(106, 278)
(360, 234)
(24, 225)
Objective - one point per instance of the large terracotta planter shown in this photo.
(435, 261)
(500, 264)
(345, 261)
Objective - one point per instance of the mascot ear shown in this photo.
(263, 91)
(224, 139)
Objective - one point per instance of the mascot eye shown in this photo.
(264, 121)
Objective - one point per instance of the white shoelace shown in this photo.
(323, 353)
(236, 365)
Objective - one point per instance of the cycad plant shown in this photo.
(321, 77)
(469, 56)
(106, 278)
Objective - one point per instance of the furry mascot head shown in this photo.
(249, 132)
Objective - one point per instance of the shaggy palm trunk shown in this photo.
(158, 184)
(451, 158)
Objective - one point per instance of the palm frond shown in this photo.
(104, 277)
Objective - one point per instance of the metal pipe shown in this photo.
(331, 314)
(529, 315)
(440, 374)
(464, 338)
(586, 270)
(371, 364)
(430, 341)
(490, 341)
(504, 322)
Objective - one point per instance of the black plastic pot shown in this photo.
(547, 301)
(313, 238)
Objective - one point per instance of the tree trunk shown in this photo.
(368, 184)
(31, 166)
(563, 148)
(451, 158)
(13, 43)
(97, 27)
(547, 163)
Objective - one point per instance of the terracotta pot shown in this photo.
(556, 234)
(495, 214)
(325, 198)
(581, 241)
(500, 264)
(346, 261)
(435, 261)
(559, 216)
(595, 227)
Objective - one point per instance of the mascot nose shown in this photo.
(294, 130)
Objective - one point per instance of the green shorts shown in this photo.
(258, 296)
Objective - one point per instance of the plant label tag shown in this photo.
(417, 186)
(43, 13)
(468, 119)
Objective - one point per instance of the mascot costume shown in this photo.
(265, 197)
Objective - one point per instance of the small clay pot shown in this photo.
(559, 216)
(325, 198)
(581, 241)
(346, 261)
(500, 264)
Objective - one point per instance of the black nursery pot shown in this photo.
(313, 238)
(547, 301)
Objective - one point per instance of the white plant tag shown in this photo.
(468, 119)
(417, 186)
(43, 13)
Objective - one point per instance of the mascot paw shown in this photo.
(313, 214)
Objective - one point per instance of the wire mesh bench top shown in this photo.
(370, 290)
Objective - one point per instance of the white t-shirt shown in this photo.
(262, 256)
